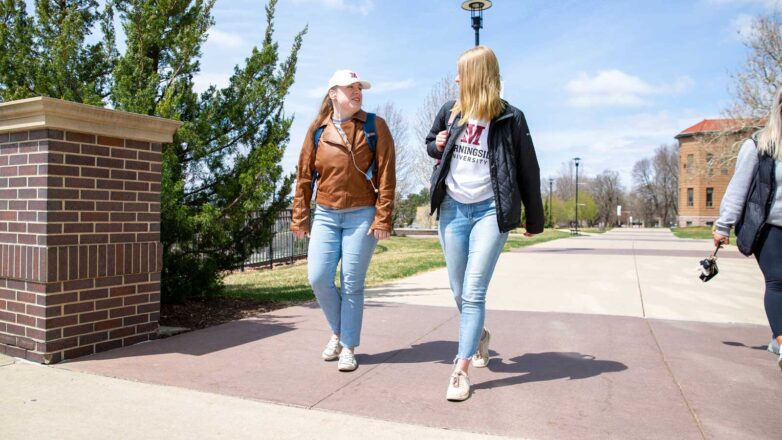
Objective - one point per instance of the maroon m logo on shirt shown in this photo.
(472, 135)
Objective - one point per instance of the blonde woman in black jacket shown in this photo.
(487, 169)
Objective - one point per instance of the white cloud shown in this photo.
(231, 40)
(203, 80)
(613, 143)
(317, 92)
(614, 88)
(362, 7)
(391, 86)
(377, 87)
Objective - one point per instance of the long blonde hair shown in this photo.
(479, 85)
(326, 108)
(770, 137)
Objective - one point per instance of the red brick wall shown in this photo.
(80, 253)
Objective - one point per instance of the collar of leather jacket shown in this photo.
(361, 115)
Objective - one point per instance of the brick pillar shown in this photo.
(80, 253)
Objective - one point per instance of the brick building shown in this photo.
(706, 164)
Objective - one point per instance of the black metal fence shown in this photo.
(284, 247)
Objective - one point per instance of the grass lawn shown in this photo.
(594, 230)
(699, 232)
(397, 257)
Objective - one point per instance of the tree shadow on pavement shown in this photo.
(205, 341)
(538, 367)
(741, 344)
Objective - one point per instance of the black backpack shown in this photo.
(756, 205)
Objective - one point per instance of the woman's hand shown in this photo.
(379, 234)
(441, 139)
(720, 239)
(300, 234)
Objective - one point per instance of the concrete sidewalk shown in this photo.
(605, 336)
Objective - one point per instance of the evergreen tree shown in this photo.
(222, 185)
(405, 209)
(48, 55)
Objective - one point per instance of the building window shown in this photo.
(690, 197)
(710, 164)
(690, 163)
(689, 223)
(709, 197)
(709, 223)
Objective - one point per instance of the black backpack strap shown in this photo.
(370, 133)
(316, 140)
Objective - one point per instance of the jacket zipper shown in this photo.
(447, 153)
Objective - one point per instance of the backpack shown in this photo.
(369, 133)
(756, 205)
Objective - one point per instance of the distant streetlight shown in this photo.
(550, 185)
(577, 160)
(476, 8)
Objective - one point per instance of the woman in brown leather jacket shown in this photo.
(353, 205)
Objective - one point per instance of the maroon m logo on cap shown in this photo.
(353, 75)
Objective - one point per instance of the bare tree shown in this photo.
(753, 89)
(639, 208)
(397, 124)
(608, 193)
(666, 167)
(722, 145)
(565, 181)
(420, 164)
(657, 185)
(755, 84)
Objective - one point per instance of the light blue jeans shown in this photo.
(338, 235)
(472, 243)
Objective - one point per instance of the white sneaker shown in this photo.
(458, 386)
(481, 358)
(779, 361)
(773, 346)
(332, 349)
(347, 361)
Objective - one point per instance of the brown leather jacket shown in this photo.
(340, 184)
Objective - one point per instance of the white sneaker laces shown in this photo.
(333, 343)
(456, 378)
(347, 357)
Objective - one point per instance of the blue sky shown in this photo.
(607, 81)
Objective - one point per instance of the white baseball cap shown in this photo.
(346, 78)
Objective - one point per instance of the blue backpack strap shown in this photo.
(318, 132)
(370, 133)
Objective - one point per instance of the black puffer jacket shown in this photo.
(759, 199)
(514, 167)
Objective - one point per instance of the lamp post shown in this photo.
(476, 8)
(576, 160)
(550, 184)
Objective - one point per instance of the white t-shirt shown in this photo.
(469, 176)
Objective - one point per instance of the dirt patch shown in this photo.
(202, 313)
